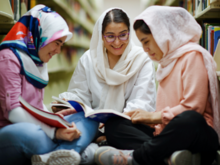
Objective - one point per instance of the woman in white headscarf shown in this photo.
(114, 73)
(187, 109)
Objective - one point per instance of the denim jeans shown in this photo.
(18, 142)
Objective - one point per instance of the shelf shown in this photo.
(88, 9)
(6, 27)
(61, 69)
(79, 42)
(62, 7)
(151, 2)
(171, 3)
(212, 11)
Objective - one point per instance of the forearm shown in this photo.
(18, 115)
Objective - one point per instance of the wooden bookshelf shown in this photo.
(211, 12)
(64, 9)
(171, 3)
(88, 9)
(6, 17)
(5, 27)
(79, 42)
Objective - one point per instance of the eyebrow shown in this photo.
(114, 33)
(143, 39)
(60, 41)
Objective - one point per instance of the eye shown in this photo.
(145, 42)
(122, 35)
(57, 43)
(110, 36)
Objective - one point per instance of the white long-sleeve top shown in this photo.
(85, 87)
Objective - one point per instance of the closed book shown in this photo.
(48, 118)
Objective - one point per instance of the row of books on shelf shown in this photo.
(16, 8)
(196, 6)
(78, 30)
(210, 36)
(20, 7)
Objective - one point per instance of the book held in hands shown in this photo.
(48, 118)
(101, 115)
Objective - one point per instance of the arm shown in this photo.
(143, 94)
(195, 88)
(195, 95)
(18, 115)
(78, 87)
(10, 90)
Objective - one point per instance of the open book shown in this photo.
(51, 119)
(101, 115)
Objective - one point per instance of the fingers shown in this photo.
(66, 112)
(101, 126)
(64, 99)
(56, 109)
(130, 113)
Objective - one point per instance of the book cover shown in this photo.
(48, 118)
(217, 57)
(216, 36)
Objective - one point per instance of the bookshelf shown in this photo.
(211, 12)
(6, 17)
(80, 16)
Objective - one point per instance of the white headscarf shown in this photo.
(128, 65)
(176, 32)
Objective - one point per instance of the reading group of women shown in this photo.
(181, 121)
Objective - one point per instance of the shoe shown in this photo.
(218, 157)
(87, 156)
(64, 157)
(112, 156)
(184, 157)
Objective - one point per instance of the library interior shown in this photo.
(81, 16)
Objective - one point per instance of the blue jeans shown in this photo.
(18, 142)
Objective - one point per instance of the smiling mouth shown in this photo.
(117, 48)
(152, 54)
(50, 55)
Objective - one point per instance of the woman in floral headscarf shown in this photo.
(24, 53)
(187, 109)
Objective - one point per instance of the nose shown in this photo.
(117, 41)
(146, 49)
(58, 50)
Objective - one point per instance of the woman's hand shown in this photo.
(66, 112)
(140, 116)
(68, 134)
(56, 109)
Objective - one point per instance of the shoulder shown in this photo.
(192, 56)
(85, 59)
(8, 59)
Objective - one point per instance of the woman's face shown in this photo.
(118, 46)
(150, 46)
(48, 51)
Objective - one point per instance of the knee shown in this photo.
(190, 118)
(115, 124)
(18, 133)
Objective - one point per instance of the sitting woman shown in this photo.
(24, 52)
(113, 73)
(187, 109)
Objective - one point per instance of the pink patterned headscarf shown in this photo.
(176, 32)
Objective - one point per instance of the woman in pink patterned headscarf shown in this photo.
(187, 108)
